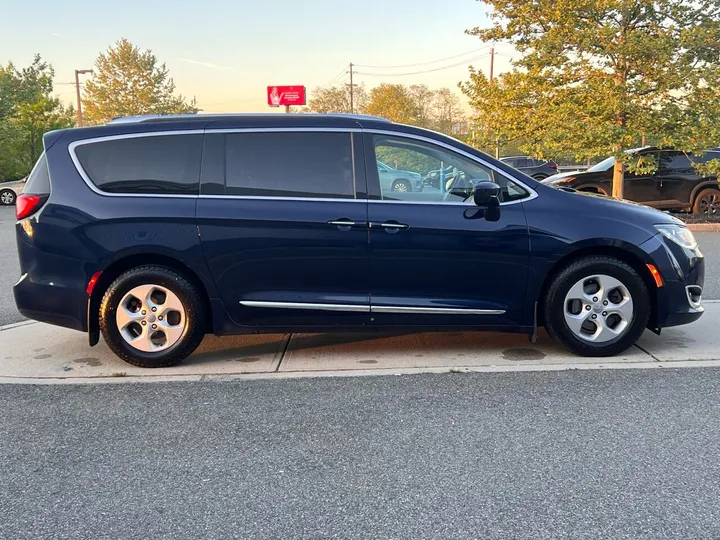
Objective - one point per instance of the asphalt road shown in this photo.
(583, 455)
(10, 271)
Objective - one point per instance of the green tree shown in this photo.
(596, 76)
(336, 99)
(28, 109)
(394, 102)
(127, 82)
(445, 110)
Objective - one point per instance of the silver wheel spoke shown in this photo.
(124, 316)
(575, 322)
(624, 309)
(172, 333)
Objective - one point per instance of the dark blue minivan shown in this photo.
(158, 230)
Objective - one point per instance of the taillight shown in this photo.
(553, 166)
(26, 205)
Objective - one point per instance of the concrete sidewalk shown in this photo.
(39, 353)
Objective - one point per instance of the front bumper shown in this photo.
(679, 300)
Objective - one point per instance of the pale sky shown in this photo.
(226, 53)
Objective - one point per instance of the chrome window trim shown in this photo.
(364, 308)
(400, 134)
(81, 171)
(272, 198)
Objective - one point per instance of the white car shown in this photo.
(9, 191)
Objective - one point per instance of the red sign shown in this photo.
(285, 95)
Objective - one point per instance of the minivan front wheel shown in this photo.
(152, 316)
(597, 306)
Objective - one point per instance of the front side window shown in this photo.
(162, 164)
(289, 164)
(426, 172)
(675, 162)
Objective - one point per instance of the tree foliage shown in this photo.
(28, 109)
(597, 75)
(336, 99)
(126, 82)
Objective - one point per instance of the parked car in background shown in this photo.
(539, 169)
(9, 191)
(676, 185)
(158, 230)
(432, 178)
(393, 179)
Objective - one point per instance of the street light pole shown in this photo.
(78, 112)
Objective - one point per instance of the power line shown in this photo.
(424, 63)
(464, 62)
(336, 77)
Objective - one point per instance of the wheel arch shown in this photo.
(111, 272)
(593, 188)
(712, 184)
(626, 254)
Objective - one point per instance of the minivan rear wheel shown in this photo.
(597, 306)
(152, 316)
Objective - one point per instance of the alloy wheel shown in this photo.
(151, 318)
(598, 308)
(710, 204)
(400, 186)
(7, 197)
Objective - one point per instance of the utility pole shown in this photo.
(492, 61)
(78, 112)
(492, 70)
(352, 91)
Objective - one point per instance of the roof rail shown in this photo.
(169, 117)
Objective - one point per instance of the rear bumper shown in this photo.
(51, 303)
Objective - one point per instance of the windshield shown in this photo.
(604, 165)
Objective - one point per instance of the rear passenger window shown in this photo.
(302, 164)
(38, 182)
(162, 164)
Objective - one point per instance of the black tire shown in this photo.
(193, 304)
(7, 197)
(553, 305)
(707, 202)
(540, 177)
(406, 183)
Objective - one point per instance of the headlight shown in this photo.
(682, 236)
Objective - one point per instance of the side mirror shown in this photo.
(485, 192)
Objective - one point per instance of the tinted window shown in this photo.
(457, 174)
(675, 162)
(289, 165)
(157, 164)
(38, 182)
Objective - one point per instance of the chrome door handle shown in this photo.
(342, 223)
(393, 225)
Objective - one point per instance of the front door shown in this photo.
(282, 217)
(642, 187)
(434, 258)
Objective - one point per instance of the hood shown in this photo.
(626, 211)
(560, 176)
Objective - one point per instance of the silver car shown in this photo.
(392, 179)
(9, 191)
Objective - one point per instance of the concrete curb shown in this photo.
(360, 373)
(704, 227)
